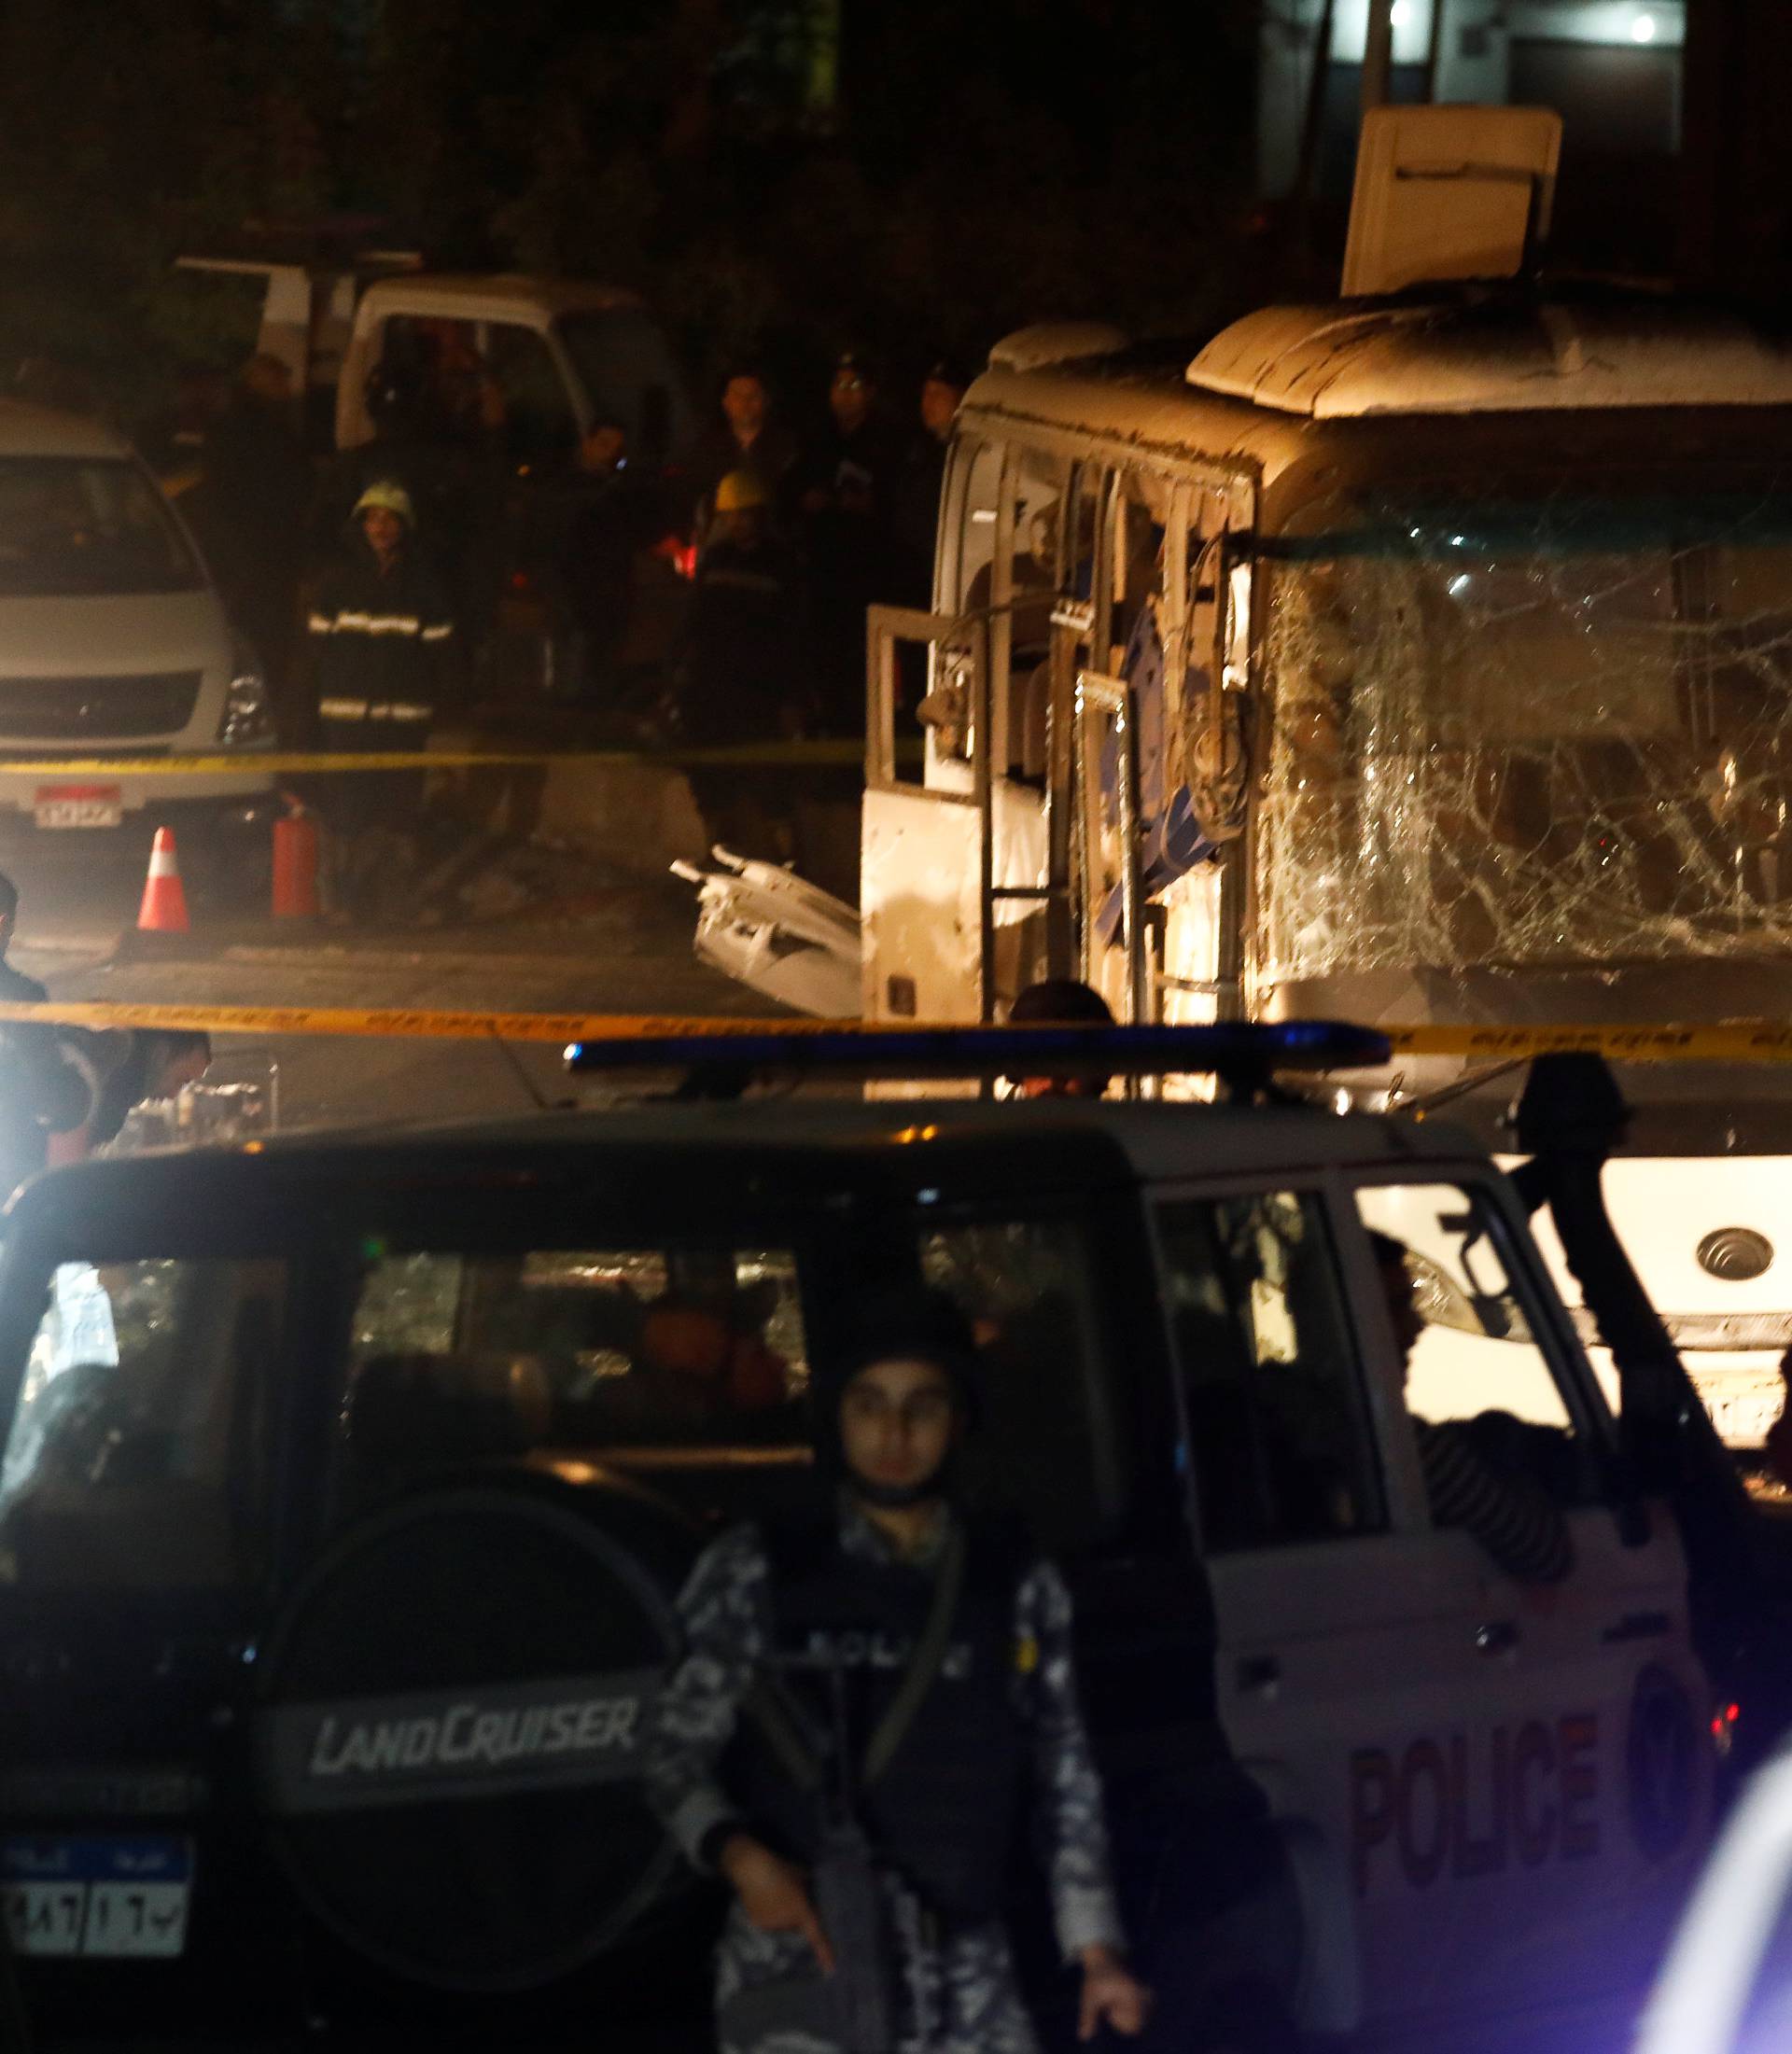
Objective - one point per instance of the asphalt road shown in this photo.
(621, 948)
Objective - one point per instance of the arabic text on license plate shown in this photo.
(79, 806)
(123, 1896)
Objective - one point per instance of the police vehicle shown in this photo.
(349, 1481)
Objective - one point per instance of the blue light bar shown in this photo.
(1242, 1048)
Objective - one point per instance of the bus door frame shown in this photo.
(961, 641)
(1236, 659)
(1104, 710)
(1080, 628)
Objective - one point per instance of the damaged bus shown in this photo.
(1421, 657)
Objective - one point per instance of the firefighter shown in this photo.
(871, 1705)
(382, 636)
(743, 673)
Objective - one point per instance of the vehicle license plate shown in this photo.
(125, 1898)
(79, 806)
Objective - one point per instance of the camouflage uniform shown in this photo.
(959, 1996)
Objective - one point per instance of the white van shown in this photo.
(113, 641)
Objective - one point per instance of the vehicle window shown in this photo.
(540, 426)
(1279, 1440)
(1046, 1450)
(627, 372)
(1474, 1359)
(1141, 505)
(137, 1456)
(87, 527)
(664, 1358)
(980, 466)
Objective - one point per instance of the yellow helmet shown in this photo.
(738, 491)
(388, 499)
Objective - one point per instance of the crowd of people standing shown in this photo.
(721, 593)
(697, 597)
(792, 536)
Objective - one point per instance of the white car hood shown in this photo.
(89, 637)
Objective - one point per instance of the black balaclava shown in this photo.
(915, 1325)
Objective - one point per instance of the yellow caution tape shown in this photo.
(1740, 1041)
(1760, 1041)
(397, 1023)
(291, 762)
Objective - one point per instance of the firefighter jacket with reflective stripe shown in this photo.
(381, 639)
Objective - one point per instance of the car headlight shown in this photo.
(248, 709)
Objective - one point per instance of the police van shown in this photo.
(349, 1480)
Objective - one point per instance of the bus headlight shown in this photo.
(248, 710)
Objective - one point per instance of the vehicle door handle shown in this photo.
(1259, 1672)
(1497, 1637)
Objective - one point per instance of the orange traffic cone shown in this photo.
(163, 910)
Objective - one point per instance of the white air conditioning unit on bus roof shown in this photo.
(1449, 192)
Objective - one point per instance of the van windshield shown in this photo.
(87, 527)
(1551, 731)
(623, 362)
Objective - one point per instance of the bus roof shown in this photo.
(1423, 384)
(1492, 355)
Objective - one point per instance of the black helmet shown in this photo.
(1060, 1001)
(914, 1324)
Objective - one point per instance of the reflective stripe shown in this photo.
(320, 624)
(378, 710)
(377, 623)
(439, 633)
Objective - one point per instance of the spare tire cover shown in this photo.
(453, 1710)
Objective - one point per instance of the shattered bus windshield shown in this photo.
(1543, 734)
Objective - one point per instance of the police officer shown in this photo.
(1061, 1002)
(893, 1594)
(46, 1086)
(843, 490)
